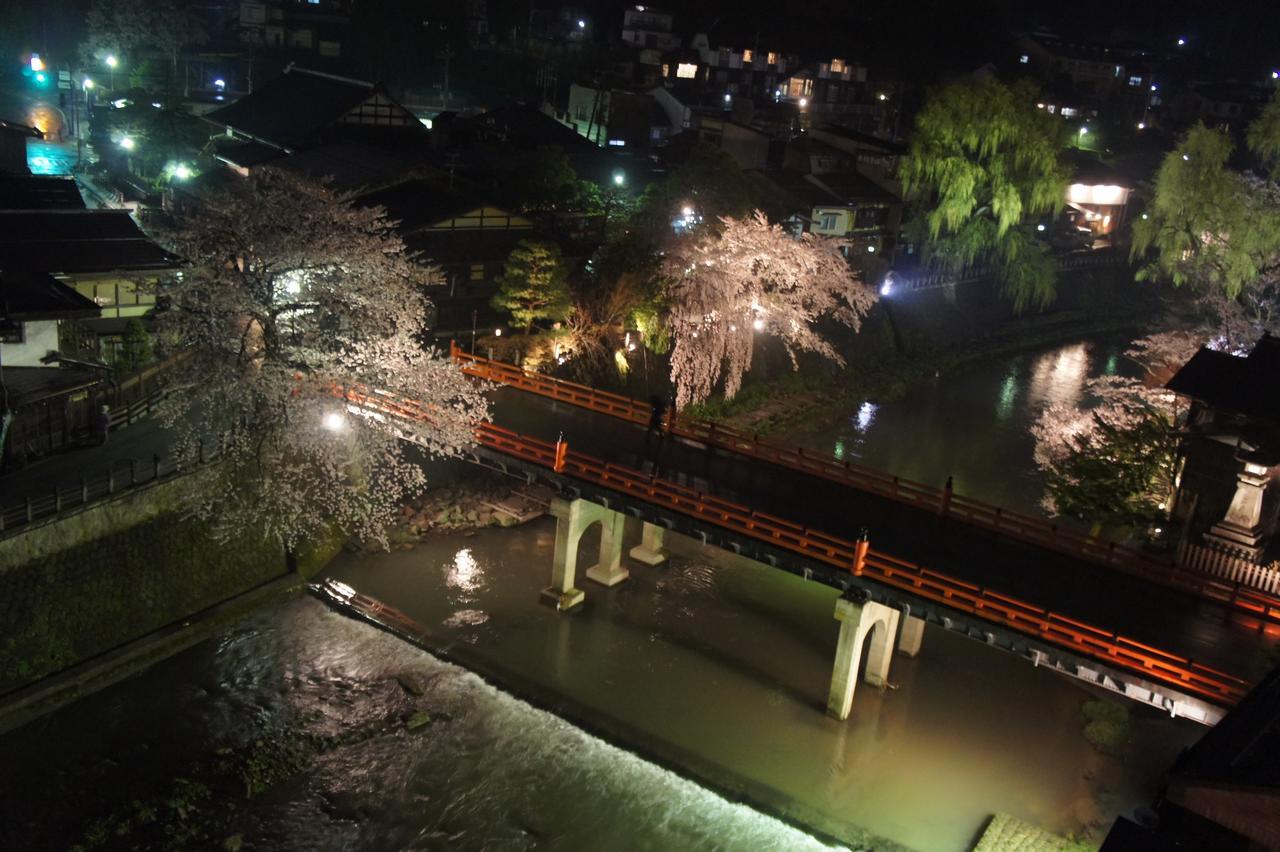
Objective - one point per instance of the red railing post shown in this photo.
(562, 451)
(860, 554)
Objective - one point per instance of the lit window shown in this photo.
(771, 58)
(1119, 70)
(477, 272)
(687, 70)
(1069, 112)
(1052, 109)
(666, 70)
(1024, 59)
(746, 56)
(1135, 81)
(837, 66)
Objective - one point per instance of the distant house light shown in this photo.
(1181, 42)
(747, 56)
(728, 98)
(687, 70)
(426, 122)
(618, 143)
(1275, 75)
(1024, 59)
(582, 24)
(220, 83)
(1104, 195)
(1135, 80)
(804, 102)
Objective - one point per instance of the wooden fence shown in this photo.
(1229, 566)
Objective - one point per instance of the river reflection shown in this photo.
(973, 424)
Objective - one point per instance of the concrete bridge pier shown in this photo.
(911, 636)
(573, 518)
(856, 621)
(650, 550)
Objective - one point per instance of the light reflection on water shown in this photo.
(973, 424)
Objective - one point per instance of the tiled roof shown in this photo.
(77, 241)
(1249, 386)
(39, 192)
(289, 110)
(26, 296)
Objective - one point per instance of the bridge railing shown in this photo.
(989, 605)
(1234, 593)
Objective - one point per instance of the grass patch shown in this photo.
(1106, 726)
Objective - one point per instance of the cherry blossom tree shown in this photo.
(293, 304)
(1113, 460)
(752, 278)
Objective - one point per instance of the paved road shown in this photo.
(1117, 602)
(140, 442)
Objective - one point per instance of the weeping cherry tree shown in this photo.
(750, 278)
(293, 301)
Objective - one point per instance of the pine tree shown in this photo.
(534, 285)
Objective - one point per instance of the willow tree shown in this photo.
(293, 303)
(749, 279)
(985, 162)
(1217, 230)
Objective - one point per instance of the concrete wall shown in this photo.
(78, 587)
(39, 338)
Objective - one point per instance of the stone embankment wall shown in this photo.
(84, 584)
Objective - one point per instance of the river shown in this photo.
(710, 664)
(973, 423)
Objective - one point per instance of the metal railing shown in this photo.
(1236, 593)
(120, 477)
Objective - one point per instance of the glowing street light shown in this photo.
(37, 64)
(758, 324)
(111, 61)
(127, 143)
(220, 84)
(1142, 125)
(497, 332)
(88, 84)
(334, 422)
(1181, 42)
(182, 171)
(619, 179)
(804, 102)
(582, 25)
(728, 98)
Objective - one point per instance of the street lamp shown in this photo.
(127, 143)
(619, 179)
(334, 422)
(112, 62)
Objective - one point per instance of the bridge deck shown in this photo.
(1171, 620)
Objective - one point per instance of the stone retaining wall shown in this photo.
(85, 584)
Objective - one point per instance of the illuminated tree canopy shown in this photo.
(1218, 230)
(752, 278)
(291, 300)
(984, 160)
(534, 284)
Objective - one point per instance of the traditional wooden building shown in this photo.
(1229, 488)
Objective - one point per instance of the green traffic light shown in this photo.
(41, 77)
